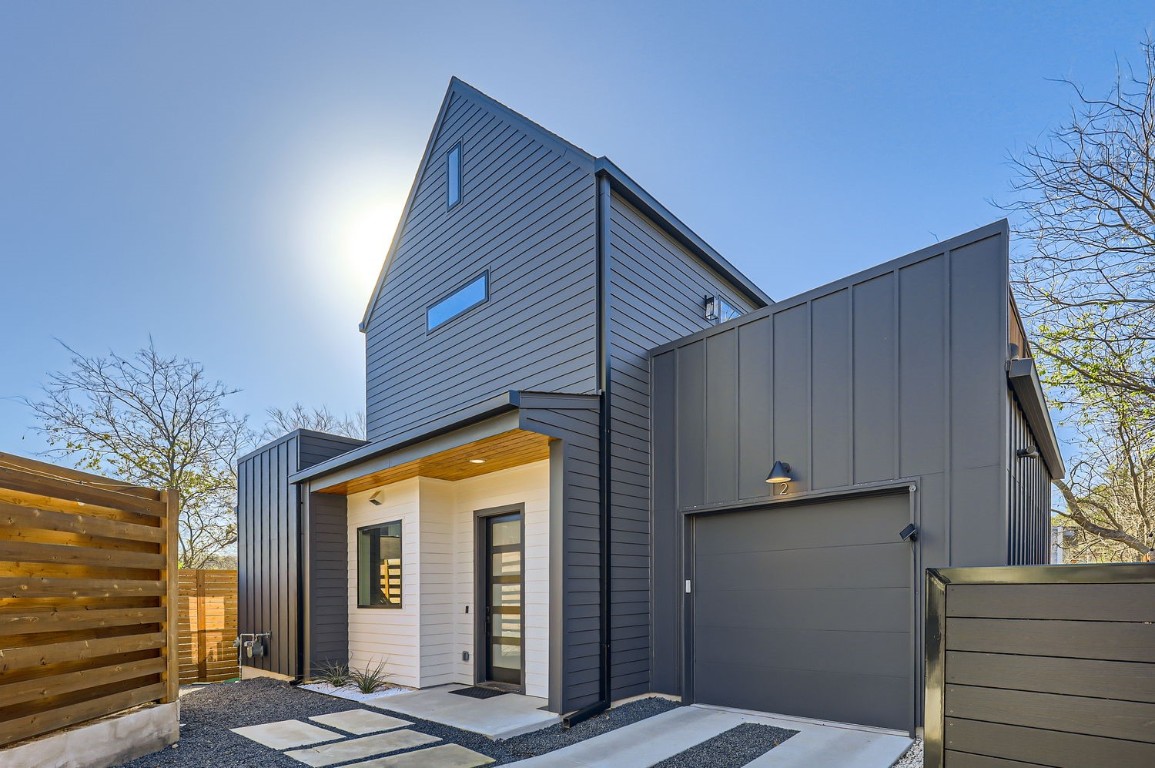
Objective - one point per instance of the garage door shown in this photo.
(806, 610)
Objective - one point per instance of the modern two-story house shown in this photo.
(602, 462)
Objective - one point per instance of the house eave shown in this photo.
(1024, 380)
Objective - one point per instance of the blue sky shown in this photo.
(226, 176)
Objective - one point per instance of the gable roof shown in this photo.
(621, 183)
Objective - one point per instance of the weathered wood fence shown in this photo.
(208, 625)
(1041, 666)
(87, 597)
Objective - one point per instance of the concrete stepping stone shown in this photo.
(359, 749)
(444, 756)
(286, 734)
(360, 721)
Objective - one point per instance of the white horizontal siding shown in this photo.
(422, 643)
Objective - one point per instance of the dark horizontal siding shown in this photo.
(1023, 682)
(578, 428)
(527, 216)
(657, 289)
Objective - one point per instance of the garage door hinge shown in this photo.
(687, 586)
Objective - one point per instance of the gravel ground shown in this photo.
(207, 715)
(730, 749)
(556, 737)
(912, 758)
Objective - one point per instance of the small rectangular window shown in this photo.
(379, 566)
(465, 298)
(453, 173)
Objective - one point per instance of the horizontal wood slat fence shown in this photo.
(87, 597)
(208, 625)
(1041, 666)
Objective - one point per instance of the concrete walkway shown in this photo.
(829, 745)
(500, 717)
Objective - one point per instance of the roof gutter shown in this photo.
(1024, 380)
(605, 445)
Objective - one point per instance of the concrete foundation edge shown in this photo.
(109, 742)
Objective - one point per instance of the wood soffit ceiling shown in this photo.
(503, 451)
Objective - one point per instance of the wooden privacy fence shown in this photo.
(87, 597)
(1041, 666)
(208, 625)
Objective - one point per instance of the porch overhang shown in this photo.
(485, 438)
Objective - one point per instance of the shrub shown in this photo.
(334, 673)
(370, 679)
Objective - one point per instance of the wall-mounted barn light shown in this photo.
(710, 303)
(780, 475)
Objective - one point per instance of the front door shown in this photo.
(503, 558)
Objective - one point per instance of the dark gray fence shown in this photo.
(1050, 666)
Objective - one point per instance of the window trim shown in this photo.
(401, 539)
(484, 274)
(449, 206)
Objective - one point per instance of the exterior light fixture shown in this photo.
(375, 499)
(710, 303)
(477, 461)
(1028, 453)
(780, 475)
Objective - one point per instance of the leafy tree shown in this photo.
(1086, 209)
(284, 420)
(155, 421)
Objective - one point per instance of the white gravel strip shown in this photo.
(912, 758)
(351, 693)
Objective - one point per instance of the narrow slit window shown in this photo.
(465, 298)
(453, 173)
(379, 566)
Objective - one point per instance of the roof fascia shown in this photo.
(1024, 379)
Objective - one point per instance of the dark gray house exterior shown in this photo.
(573, 405)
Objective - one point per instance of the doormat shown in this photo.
(477, 692)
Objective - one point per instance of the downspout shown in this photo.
(605, 444)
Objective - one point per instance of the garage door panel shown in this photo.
(876, 520)
(871, 566)
(871, 610)
(806, 610)
(863, 699)
(872, 653)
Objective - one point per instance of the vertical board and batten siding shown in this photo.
(657, 291)
(527, 217)
(1041, 666)
(269, 541)
(1029, 497)
(575, 599)
(897, 373)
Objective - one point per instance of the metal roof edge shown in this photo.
(1024, 379)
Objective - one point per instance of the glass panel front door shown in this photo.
(503, 555)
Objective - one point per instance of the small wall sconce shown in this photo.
(1028, 453)
(711, 306)
(375, 499)
(780, 475)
